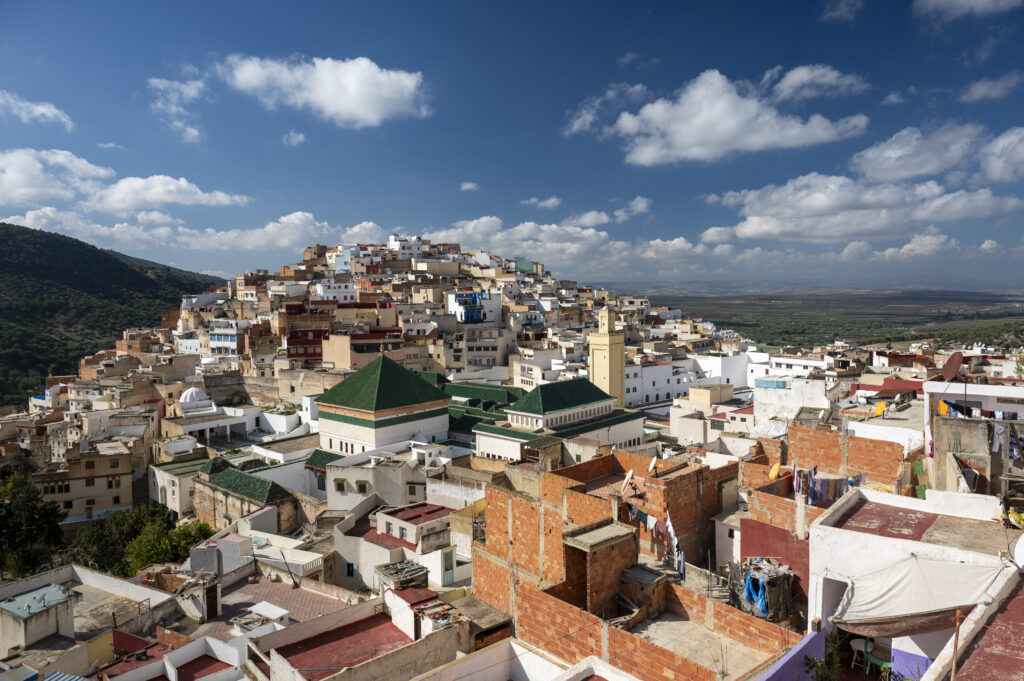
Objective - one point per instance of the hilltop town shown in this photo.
(412, 461)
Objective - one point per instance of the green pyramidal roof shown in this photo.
(381, 384)
(551, 397)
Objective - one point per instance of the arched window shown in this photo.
(321, 482)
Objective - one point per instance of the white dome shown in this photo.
(193, 395)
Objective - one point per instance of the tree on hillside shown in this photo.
(155, 545)
(102, 543)
(29, 526)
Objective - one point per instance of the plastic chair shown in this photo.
(862, 647)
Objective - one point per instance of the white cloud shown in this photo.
(946, 10)
(109, 145)
(155, 217)
(172, 103)
(841, 10)
(30, 175)
(894, 97)
(1002, 159)
(989, 246)
(628, 58)
(992, 88)
(351, 93)
(928, 244)
(823, 208)
(592, 218)
(469, 187)
(716, 235)
(910, 152)
(638, 205)
(815, 80)
(33, 112)
(550, 202)
(122, 235)
(588, 116)
(712, 117)
(133, 193)
(293, 139)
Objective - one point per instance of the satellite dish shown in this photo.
(629, 476)
(654, 460)
(1018, 552)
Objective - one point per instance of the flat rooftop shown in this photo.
(896, 522)
(293, 444)
(98, 610)
(997, 654)
(36, 601)
(236, 600)
(41, 653)
(324, 655)
(482, 615)
(596, 537)
(417, 514)
(367, 532)
(691, 640)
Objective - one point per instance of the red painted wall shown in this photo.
(759, 540)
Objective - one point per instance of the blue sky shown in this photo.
(876, 142)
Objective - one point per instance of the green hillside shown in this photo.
(62, 299)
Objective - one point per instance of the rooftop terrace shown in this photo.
(328, 653)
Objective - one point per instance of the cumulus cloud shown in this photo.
(293, 139)
(589, 115)
(31, 175)
(841, 10)
(927, 244)
(823, 208)
(992, 88)
(709, 118)
(814, 80)
(550, 202)
(33, 112)
(1002, 159)
(293, 231)
(350, 93)
(133, 193)
(989, 246)
(911, 152)
(592, 218)
(172, 101)
(947, 10)
(894, 97)
(638, 205)
(469, 187)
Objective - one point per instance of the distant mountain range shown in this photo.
(62, 299)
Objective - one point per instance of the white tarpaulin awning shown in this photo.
(912, 596)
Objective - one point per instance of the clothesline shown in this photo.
(958, 411)
(661, 527)
(822, 491)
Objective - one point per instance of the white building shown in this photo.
(476, 307)
(342, 292)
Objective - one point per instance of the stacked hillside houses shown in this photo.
(423, 462)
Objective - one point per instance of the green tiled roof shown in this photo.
(215, 465)
(249, 486)
(432, 377)
(464, 423)
(251, 464)
(551, 397)
(320, 458)
(181, 468)
(590, 426)
(484, 392)
(381, 384)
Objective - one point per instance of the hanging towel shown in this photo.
(999, 415)
(651, 523)
(879, 408)
(975, 412)
(661, 528)
(812, 492)
(643, 517)
(997, 437)
(681, 557)
(918, 467)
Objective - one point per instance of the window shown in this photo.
(389, 528)
(90, 502)
(114, 463)
(67, 505)
(402, 533)
(90, 482)
(117, 500)
(339, 485)
(90, 464)
(350, 570)
(732, 533)
(361, 487)
(321, 484)
(110, 483)
(412, 490)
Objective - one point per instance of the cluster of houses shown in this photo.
(426, 463)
